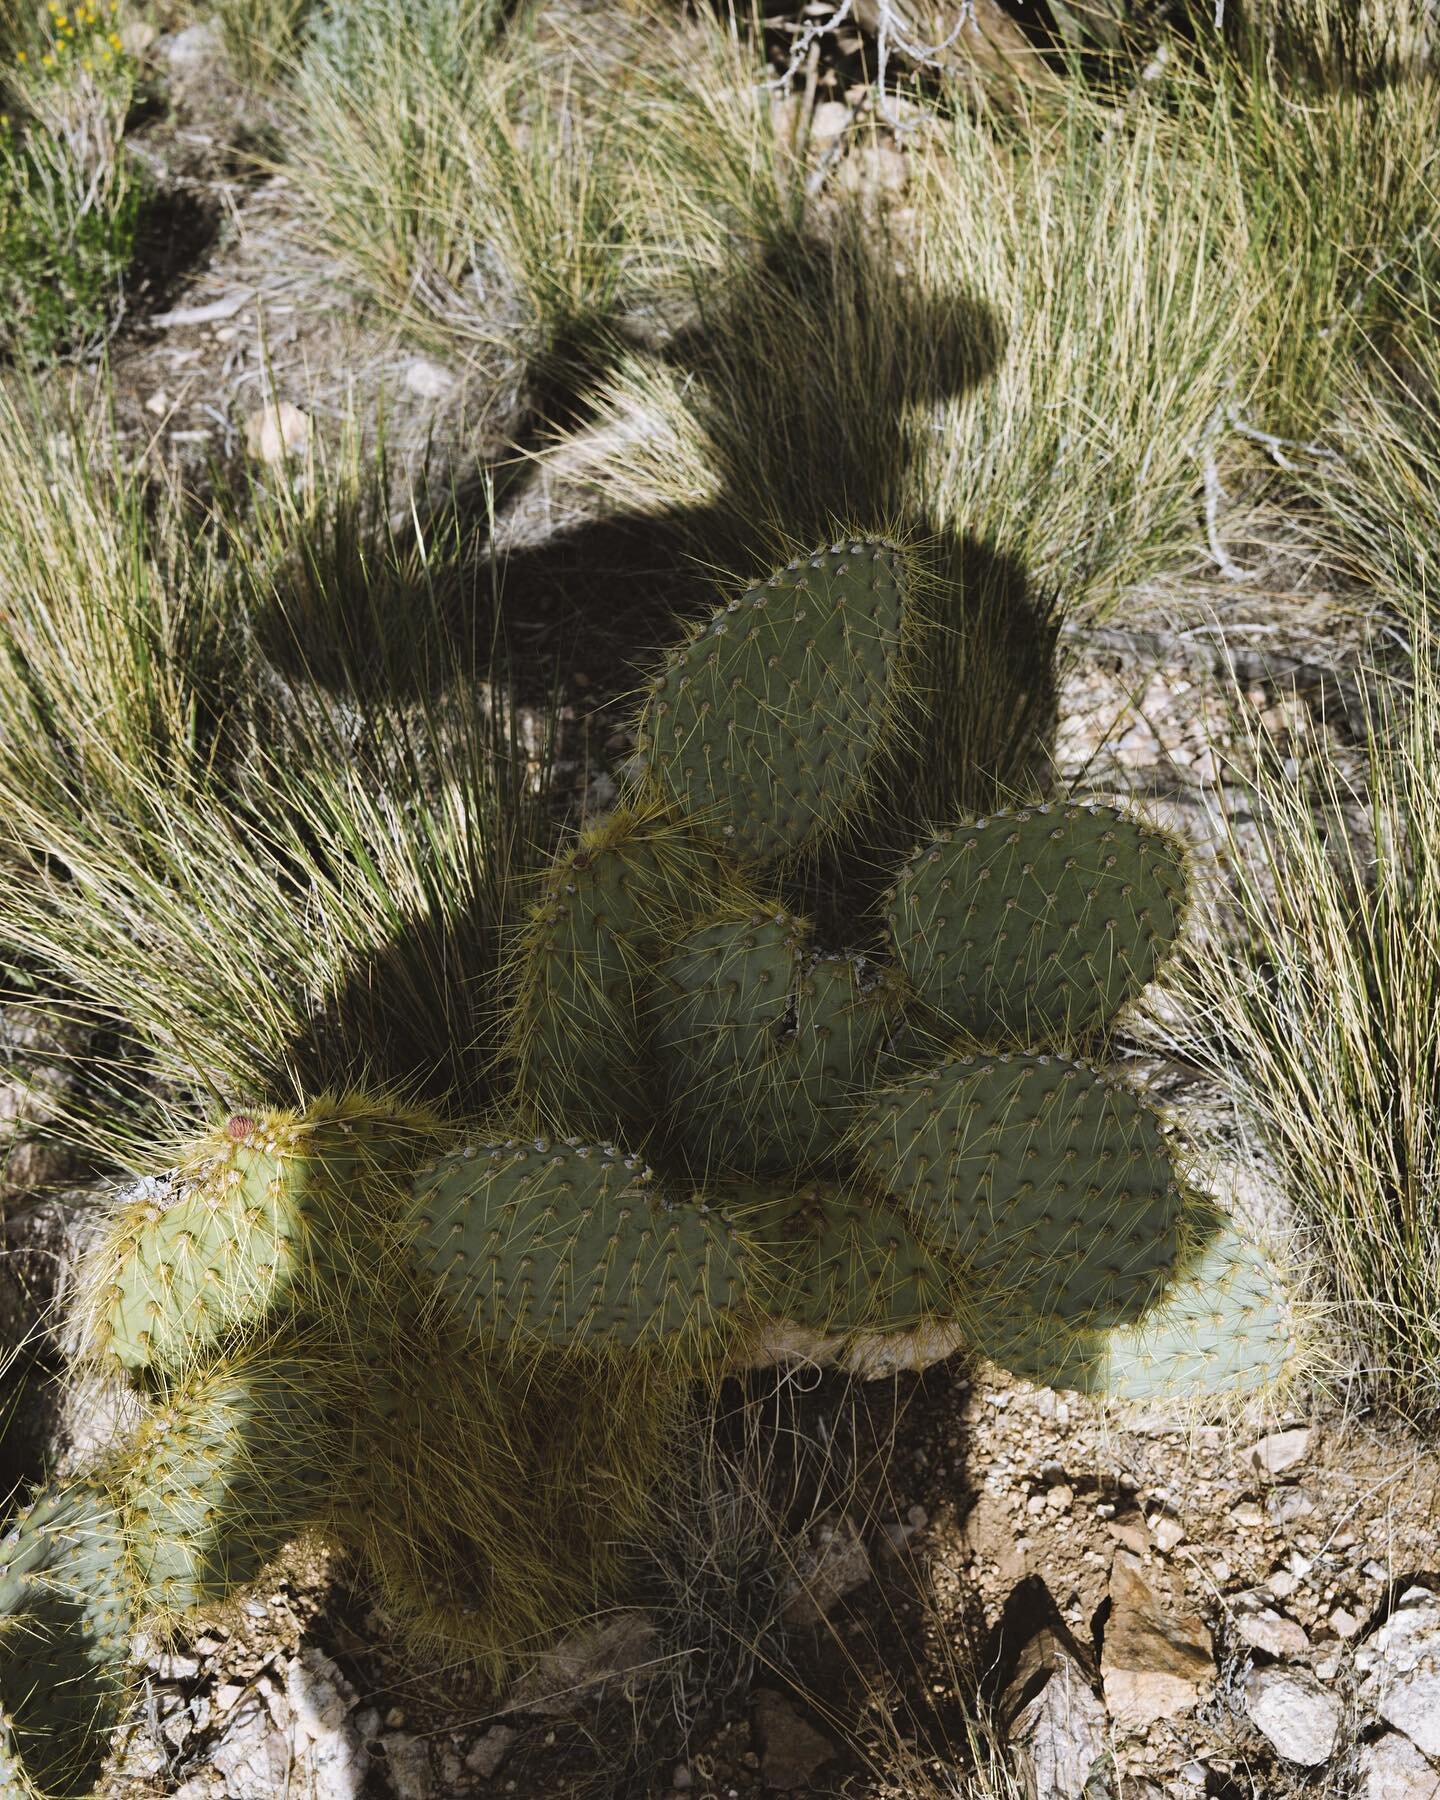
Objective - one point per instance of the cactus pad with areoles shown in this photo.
(1037, 926)
(763, 725)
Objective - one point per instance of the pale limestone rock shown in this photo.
(407, 1762)
(829, 121)
(486, 1754)
(1264, 1628)
(325, 1733)
(1298, 1716)
(277, 431)
(833, 1565)
(1393, 1769)
(1280, 1451)
(428, 380)
(1156, 1662)
(252, 1755)
(1402, 1669)
(1165, 1533)
(621, 1650)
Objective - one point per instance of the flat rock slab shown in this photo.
(1156, 1661)
(1299, 1717)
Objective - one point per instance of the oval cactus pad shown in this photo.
(1038, 925)
(761, 725)
(571, 1243)
(1047, 1182)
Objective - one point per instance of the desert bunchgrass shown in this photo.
(258, 886)
(261, 37)
(454, 177)
(1321, 1012)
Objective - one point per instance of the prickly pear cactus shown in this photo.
(67, 1611)
(464, 1351)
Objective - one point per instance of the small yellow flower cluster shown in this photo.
(83, 34)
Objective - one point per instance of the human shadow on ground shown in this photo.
(771, 366)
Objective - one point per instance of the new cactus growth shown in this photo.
(462, 1351)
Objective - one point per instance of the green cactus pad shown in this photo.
(262, 1223)
(1224, 1329)
(843, 1017)
(834, 1260)
(66, 1619)
(570, 1243)
(585, 957)
(241, 1459)
(1049, 1184)
(1037, 926)
(725, 996)
(763, 724)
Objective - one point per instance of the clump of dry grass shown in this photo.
(259, 887)
(1324, 1015)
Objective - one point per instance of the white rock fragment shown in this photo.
(1393, 1769)
(1297, 1715)
(277, 431)
(486, 1754)
(1279, 1451)
(195, 48)
(1165, 1533)
(407, 1762)
(829, 121)
(428, 380)
(1263, 1628)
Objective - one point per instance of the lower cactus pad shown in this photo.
(241, 1459)
(66, 1621)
